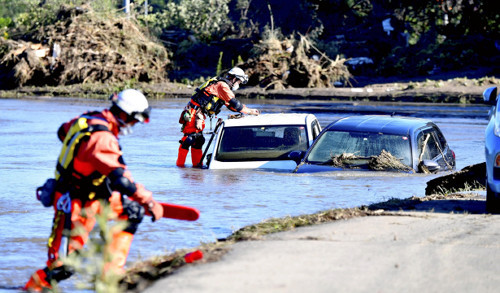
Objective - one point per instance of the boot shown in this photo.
(38, 282)
(118, 252)
(181, 157)
(196, 157)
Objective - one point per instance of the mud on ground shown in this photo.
(459, 87)
(144, 274)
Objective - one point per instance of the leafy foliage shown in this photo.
(90, 262)
(205, 19)
(31, 14)
(428, 35)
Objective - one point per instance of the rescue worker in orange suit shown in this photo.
(208, 100)
(90, 175)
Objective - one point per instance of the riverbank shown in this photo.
(453, 87)
(438, 243)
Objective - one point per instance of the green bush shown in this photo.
(205, 19)
(30, 14)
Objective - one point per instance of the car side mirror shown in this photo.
(490, 96)
(429, 165)
(296, 156)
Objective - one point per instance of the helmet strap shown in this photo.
(125, 126)
(230, 82)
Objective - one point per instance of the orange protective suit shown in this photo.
(96, 157)
(193, 120)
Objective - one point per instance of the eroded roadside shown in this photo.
(145, 274)
(399, 251)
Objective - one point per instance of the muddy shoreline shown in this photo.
(462, 87)
(440, 245)
(153, 275)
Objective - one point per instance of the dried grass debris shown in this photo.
(279, 64)
(386, 161)
(341, 160)
(84, 46)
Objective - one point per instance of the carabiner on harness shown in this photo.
(64, 203)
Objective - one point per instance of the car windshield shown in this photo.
(260, 143)
(359, 146)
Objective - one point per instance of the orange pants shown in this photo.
(82, 221)
(194, 141)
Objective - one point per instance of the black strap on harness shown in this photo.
(77, 184)
(70, 170)
(208, 103)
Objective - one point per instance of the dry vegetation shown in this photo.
(85, 47)
(82, 47)
(386, 161)
(382, 162)
(280, 64)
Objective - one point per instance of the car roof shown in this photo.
(379, 123)
(270, 119)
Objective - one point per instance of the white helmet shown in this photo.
(239, 74)
(134, 103)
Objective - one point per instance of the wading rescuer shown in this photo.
(90, 175)
(208, 100)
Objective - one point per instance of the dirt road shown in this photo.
(440, 246)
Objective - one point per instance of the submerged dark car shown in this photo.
(385, 143)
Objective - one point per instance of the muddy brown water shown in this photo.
(227, 199)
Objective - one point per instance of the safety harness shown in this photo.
(208, 103)
(84, 187)
(72, 184)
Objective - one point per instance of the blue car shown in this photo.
(492, 152)
(378, 142)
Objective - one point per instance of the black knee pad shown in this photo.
(199, 141)
(135, 213)
(188, 142)
(60, 273)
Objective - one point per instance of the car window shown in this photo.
(260, 142)
(428, 146)
(360, 144)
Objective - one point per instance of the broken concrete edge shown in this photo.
(143, 274)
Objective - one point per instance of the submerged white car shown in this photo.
(260, 142)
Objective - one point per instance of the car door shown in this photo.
(447, 158)
(432, 146)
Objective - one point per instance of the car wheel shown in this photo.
(492, 201)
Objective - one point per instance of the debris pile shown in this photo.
(385, 161)
(341, 160)
(293, 63)
(81, 47)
